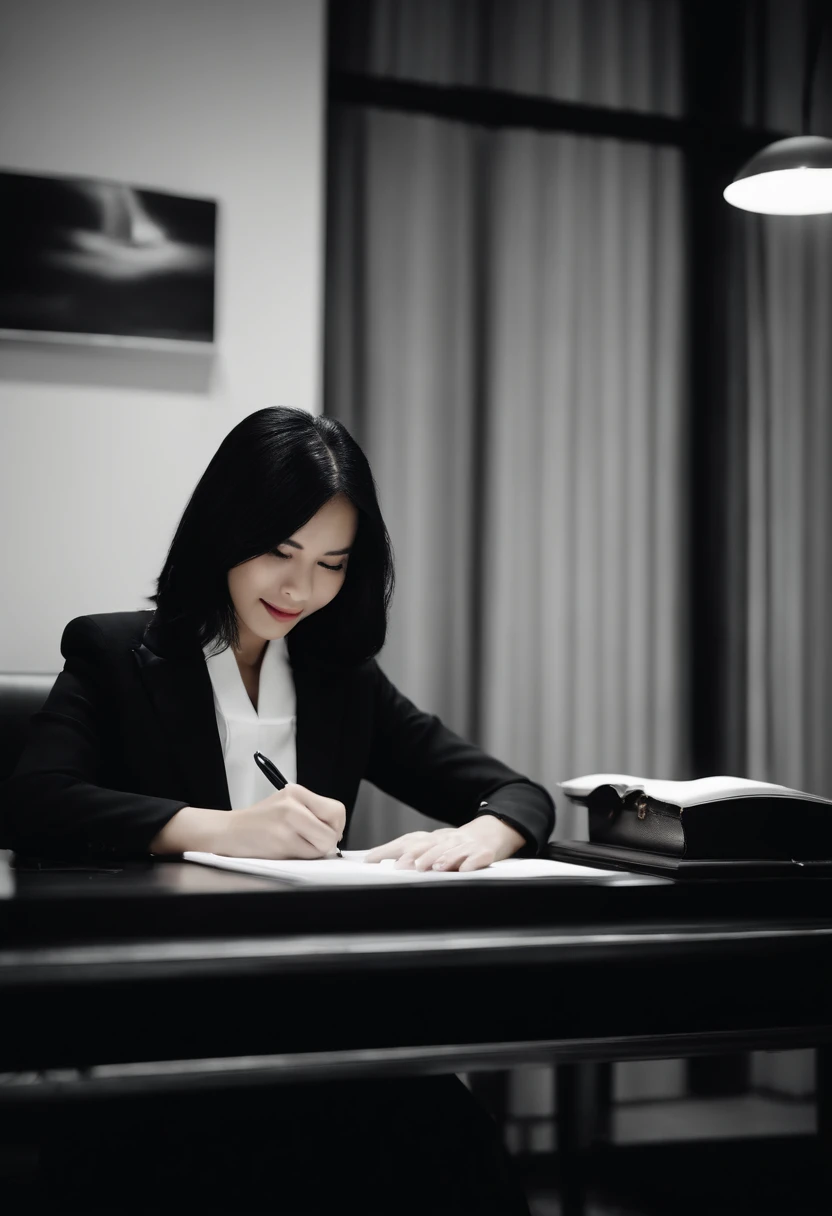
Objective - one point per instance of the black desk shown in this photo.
(446, 978)
(170, 976)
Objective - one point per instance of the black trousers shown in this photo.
(401, 1145)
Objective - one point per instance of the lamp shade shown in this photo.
(790, 177)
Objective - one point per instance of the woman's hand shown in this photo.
(470, 847)
(290, 823)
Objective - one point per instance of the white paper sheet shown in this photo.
(352, 870)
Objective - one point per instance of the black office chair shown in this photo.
(21, 695)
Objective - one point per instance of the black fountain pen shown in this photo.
(275, 776)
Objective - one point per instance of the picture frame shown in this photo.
(94, 262)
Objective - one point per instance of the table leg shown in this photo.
(572, 1187)
(584, 1094)
(823, 1074)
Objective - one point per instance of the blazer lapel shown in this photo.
(176, 679)
(320, 703)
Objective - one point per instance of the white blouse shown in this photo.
(244, 730)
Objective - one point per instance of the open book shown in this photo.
(712, 817)
(682, 793)
(352, 870)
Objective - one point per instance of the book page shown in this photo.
(352, 870)
(581, 786)
(685, 793)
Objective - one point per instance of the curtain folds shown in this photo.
(625, 54)
(399, 374)
(584, 597)
(780, 499)
(505, 335)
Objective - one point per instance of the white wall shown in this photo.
(99, 452)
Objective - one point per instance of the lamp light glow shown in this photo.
(789, 177)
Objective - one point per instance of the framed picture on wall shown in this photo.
(92, 261)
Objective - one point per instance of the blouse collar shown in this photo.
(276, 693)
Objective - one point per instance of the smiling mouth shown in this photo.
(289, 616)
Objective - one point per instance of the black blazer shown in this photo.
(128, 736)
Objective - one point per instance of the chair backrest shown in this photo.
(21, 695)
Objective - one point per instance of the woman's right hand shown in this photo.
(290, 823)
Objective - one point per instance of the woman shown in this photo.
(273, 598)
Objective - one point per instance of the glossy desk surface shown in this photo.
(173, 969)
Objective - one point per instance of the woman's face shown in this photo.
(301, 575)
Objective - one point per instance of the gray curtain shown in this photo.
(780, 500)
(773, 67)
(399, 374)
(625, 54)
(778, 496)
(505, 338)
(584, 593)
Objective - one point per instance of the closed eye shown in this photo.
(287, 557)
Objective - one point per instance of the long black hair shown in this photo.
(269, 476)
